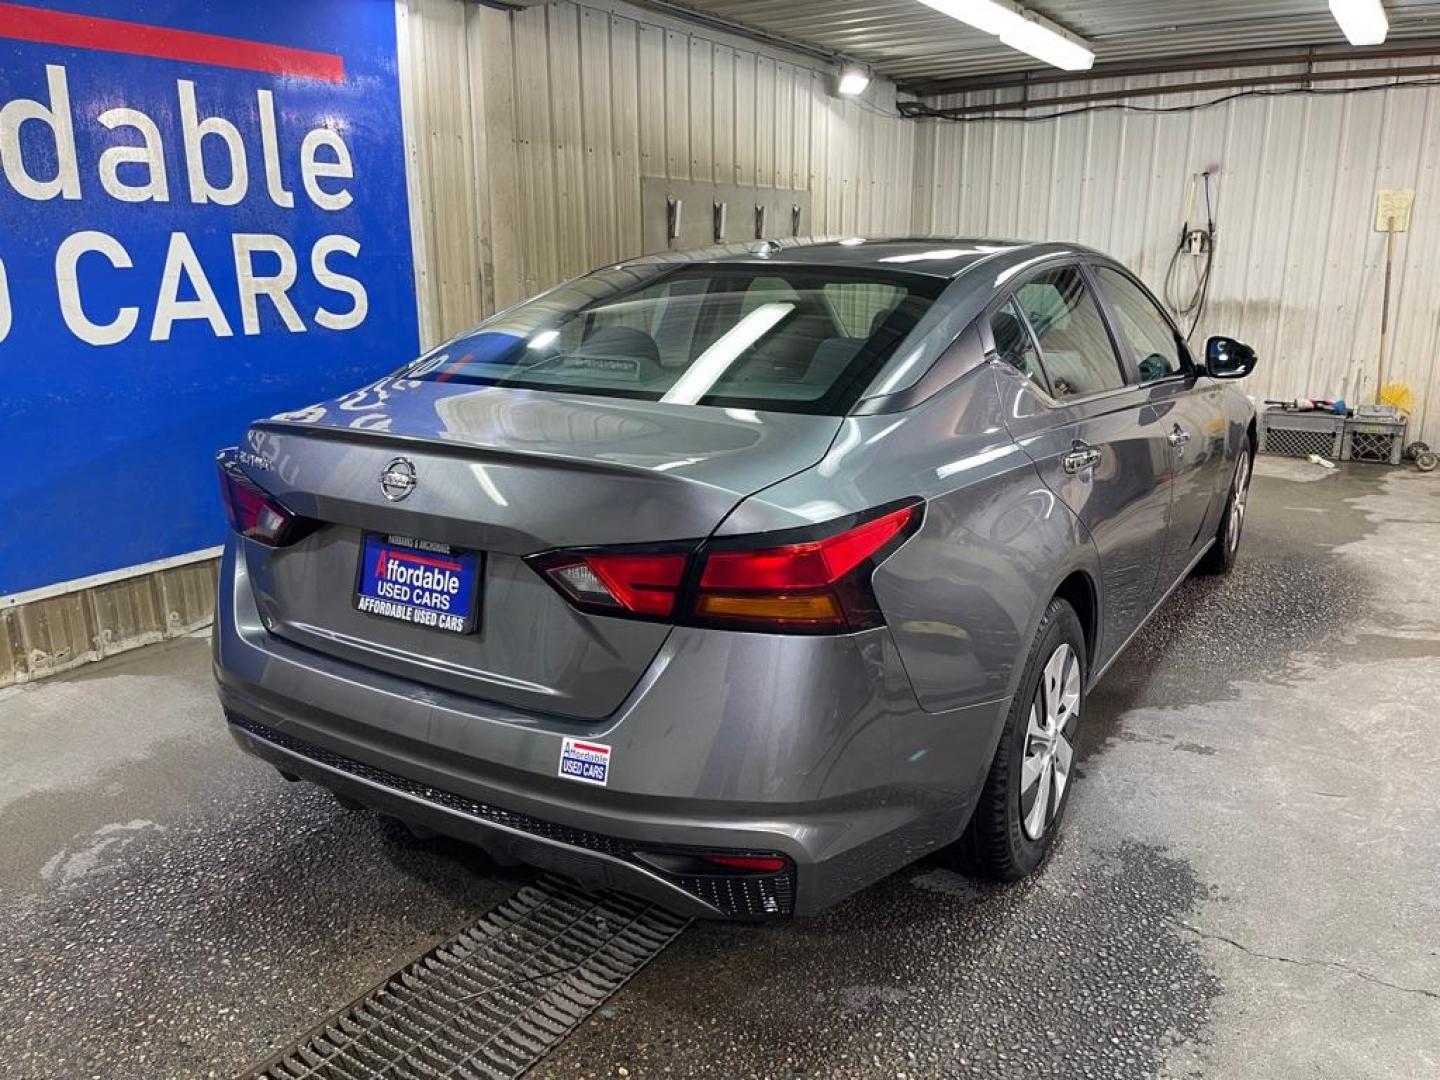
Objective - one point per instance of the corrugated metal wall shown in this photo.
(530, 133)
(535, 127)
(54, 634)
(1299, 268)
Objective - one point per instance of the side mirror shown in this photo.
(1226, 358)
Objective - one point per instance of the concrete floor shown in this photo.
(1246, 886)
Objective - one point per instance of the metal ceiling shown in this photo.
(921, 49)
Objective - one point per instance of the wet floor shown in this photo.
(1239, 891)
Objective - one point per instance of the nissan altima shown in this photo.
(736, 579)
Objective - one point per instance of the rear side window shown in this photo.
(1074, 345)
(1146, 331)
(792, 339)
(1014, 344)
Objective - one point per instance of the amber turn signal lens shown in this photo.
(817, 607)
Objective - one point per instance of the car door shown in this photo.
(1189, 410)
(1094, 437)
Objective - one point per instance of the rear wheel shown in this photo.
(1221, 555)
(1028, 787)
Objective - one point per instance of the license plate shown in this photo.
(416, 581)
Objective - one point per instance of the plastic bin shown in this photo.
(1300, 434)
(1380, 441)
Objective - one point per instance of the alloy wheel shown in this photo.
(1238, 493)
(1050, 741)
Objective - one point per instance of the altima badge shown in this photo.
(398, 479)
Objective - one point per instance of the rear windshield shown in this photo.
(792, 339)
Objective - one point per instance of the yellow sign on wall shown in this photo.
(1393, 203)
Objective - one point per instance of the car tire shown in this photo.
(1221, 556)
(1008, 836)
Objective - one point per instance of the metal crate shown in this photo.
(1300, 434)
(1381, 441)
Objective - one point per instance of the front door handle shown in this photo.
(1080, 457)
(1178, 438)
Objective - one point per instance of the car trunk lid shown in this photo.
(506, 473)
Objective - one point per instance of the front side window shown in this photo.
(1074, 345)
(793, 339)
(1146, 331)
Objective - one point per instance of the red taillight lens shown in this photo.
(817, 584)
(638, 584)
(252, 512)
(801, 581)
(811, 565)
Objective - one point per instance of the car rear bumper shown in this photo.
(592, 859)
(810, 748)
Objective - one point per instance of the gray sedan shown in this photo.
(739, 579)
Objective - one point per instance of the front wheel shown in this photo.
(1221, 556)
(1028, 787)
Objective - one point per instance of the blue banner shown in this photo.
(203, 220)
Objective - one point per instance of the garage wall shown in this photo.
(527, 138)
(1299, 268)
(535, 127)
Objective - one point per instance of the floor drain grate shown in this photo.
(491, 1001)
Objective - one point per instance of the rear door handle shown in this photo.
(1178, 436)
(1080, 458)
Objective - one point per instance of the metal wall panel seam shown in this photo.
(477, 113)
(701, 88)
(625, 132)
(562, 24)
(596, 119)
(498, 72)
(677, 106)
(404, 52)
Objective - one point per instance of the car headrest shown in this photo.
(623, 342)
(830, 358)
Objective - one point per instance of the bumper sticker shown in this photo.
(587, 762)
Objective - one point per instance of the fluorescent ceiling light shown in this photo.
(1031, 37)
(1022, 30)
(853, 80)
(1362, 21)
(992, 16)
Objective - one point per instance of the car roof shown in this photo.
(931, 256)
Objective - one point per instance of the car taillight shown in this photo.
(617, 583)
(813, 580)
(252, 511)
(821, 583)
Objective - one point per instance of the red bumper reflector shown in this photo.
(760, 864)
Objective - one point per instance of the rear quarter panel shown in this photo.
(964, 596)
